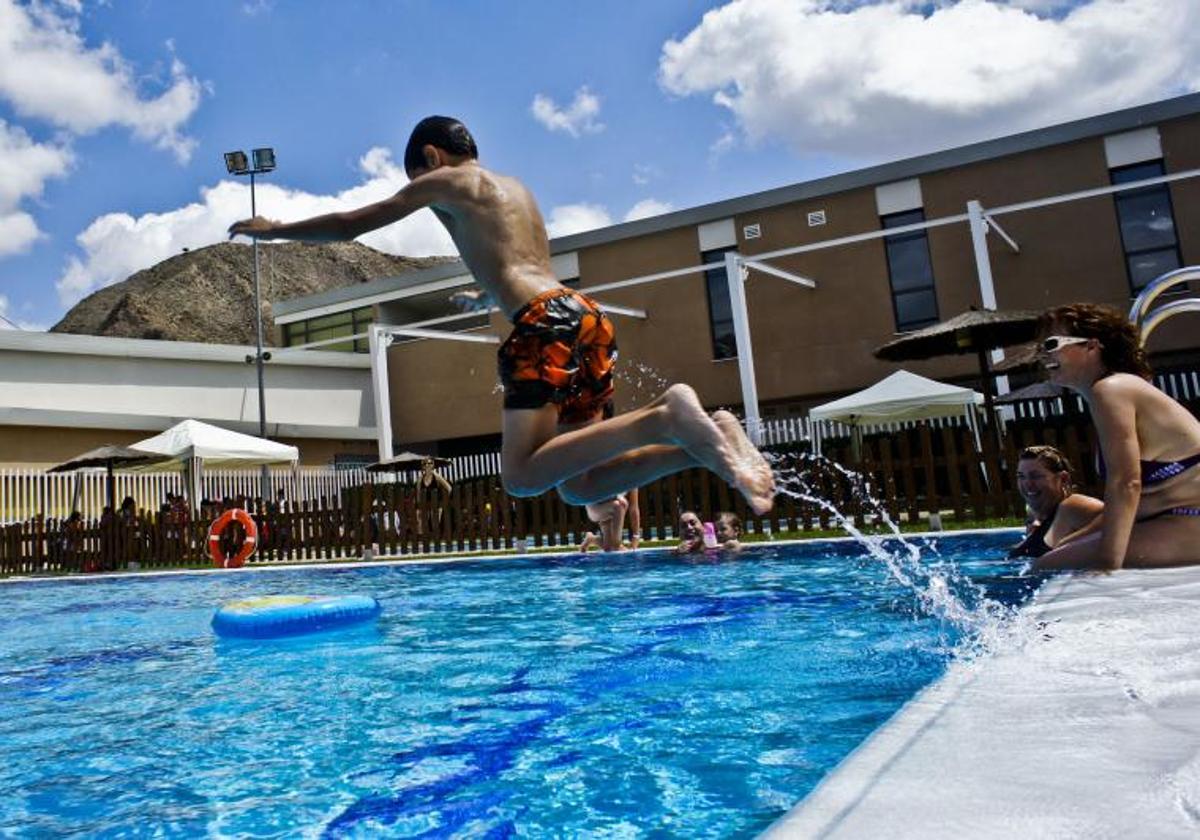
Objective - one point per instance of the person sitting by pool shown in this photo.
(1055, 510)
(610, 516)
(729, 531)
(1149, 443)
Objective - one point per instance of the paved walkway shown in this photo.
(1090, 731)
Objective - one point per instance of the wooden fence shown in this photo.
(26, 493)
(909, 474)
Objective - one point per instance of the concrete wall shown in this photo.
(63, 394)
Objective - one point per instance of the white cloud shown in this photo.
(9, 321)
(18, 232)
(648, 207)
(644, 173)
(567, 219)
(576, 218)
(891, 78)
(117, 244)
(25, 166)
(577, 118)
(48, 72)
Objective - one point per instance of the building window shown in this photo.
(910, 272)
(338, 324)
(1147, 224)
(720, 314)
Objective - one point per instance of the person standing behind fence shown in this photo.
(1149, 446)
(1055, 509)
(610, 516)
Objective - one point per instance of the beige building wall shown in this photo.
(811, 344)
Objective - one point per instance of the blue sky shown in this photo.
(114, 115)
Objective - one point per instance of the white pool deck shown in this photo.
(1089, 730)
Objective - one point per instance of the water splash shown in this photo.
(647, 382)
(940, 589)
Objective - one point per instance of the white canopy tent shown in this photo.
(900, 397)
(215, 447)
(191, 446)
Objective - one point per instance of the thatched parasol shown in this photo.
(974, 331)
(109, 456)
(406, 462)
(1036, 391)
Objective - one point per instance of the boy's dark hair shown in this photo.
(1120, 344)
(445, 133)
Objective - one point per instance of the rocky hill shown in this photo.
(208, 294)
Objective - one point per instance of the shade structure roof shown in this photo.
(108, 456)
(970, 332)
(901, 396)
(215, 447)
(406, 461)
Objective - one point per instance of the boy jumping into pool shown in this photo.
(557, 365)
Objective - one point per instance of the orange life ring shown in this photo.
(248, 545)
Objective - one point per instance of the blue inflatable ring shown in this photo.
(291, 615)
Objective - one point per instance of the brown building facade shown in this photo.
(810, 345)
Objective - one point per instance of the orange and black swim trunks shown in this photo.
(561, 351)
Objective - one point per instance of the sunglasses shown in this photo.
(1052, 343)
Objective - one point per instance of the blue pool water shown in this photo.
(618, 695)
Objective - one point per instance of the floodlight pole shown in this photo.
(265, 477)
(239, 167)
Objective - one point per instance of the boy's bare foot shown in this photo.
(700, 436)
(751, 462)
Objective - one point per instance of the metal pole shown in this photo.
(258, 358)
(735, 273)
(377, 342)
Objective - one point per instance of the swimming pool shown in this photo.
(630, 695)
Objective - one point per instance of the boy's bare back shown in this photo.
(496, 224)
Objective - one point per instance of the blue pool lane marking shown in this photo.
(494, 750)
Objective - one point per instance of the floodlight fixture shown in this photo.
(236, 163)
(264, 160)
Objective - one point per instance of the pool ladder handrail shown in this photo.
(1145, 319)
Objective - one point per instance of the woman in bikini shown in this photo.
(1055, 509)
(1149, 446)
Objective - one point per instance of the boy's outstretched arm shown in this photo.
(440, 185)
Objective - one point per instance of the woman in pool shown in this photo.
(691, 533)
(1150, 446)
(1056, 511)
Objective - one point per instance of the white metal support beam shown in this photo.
(978, 221)
(735, 273)
(379, 388)
(758, 265)
(994, 225)
(417, 332)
